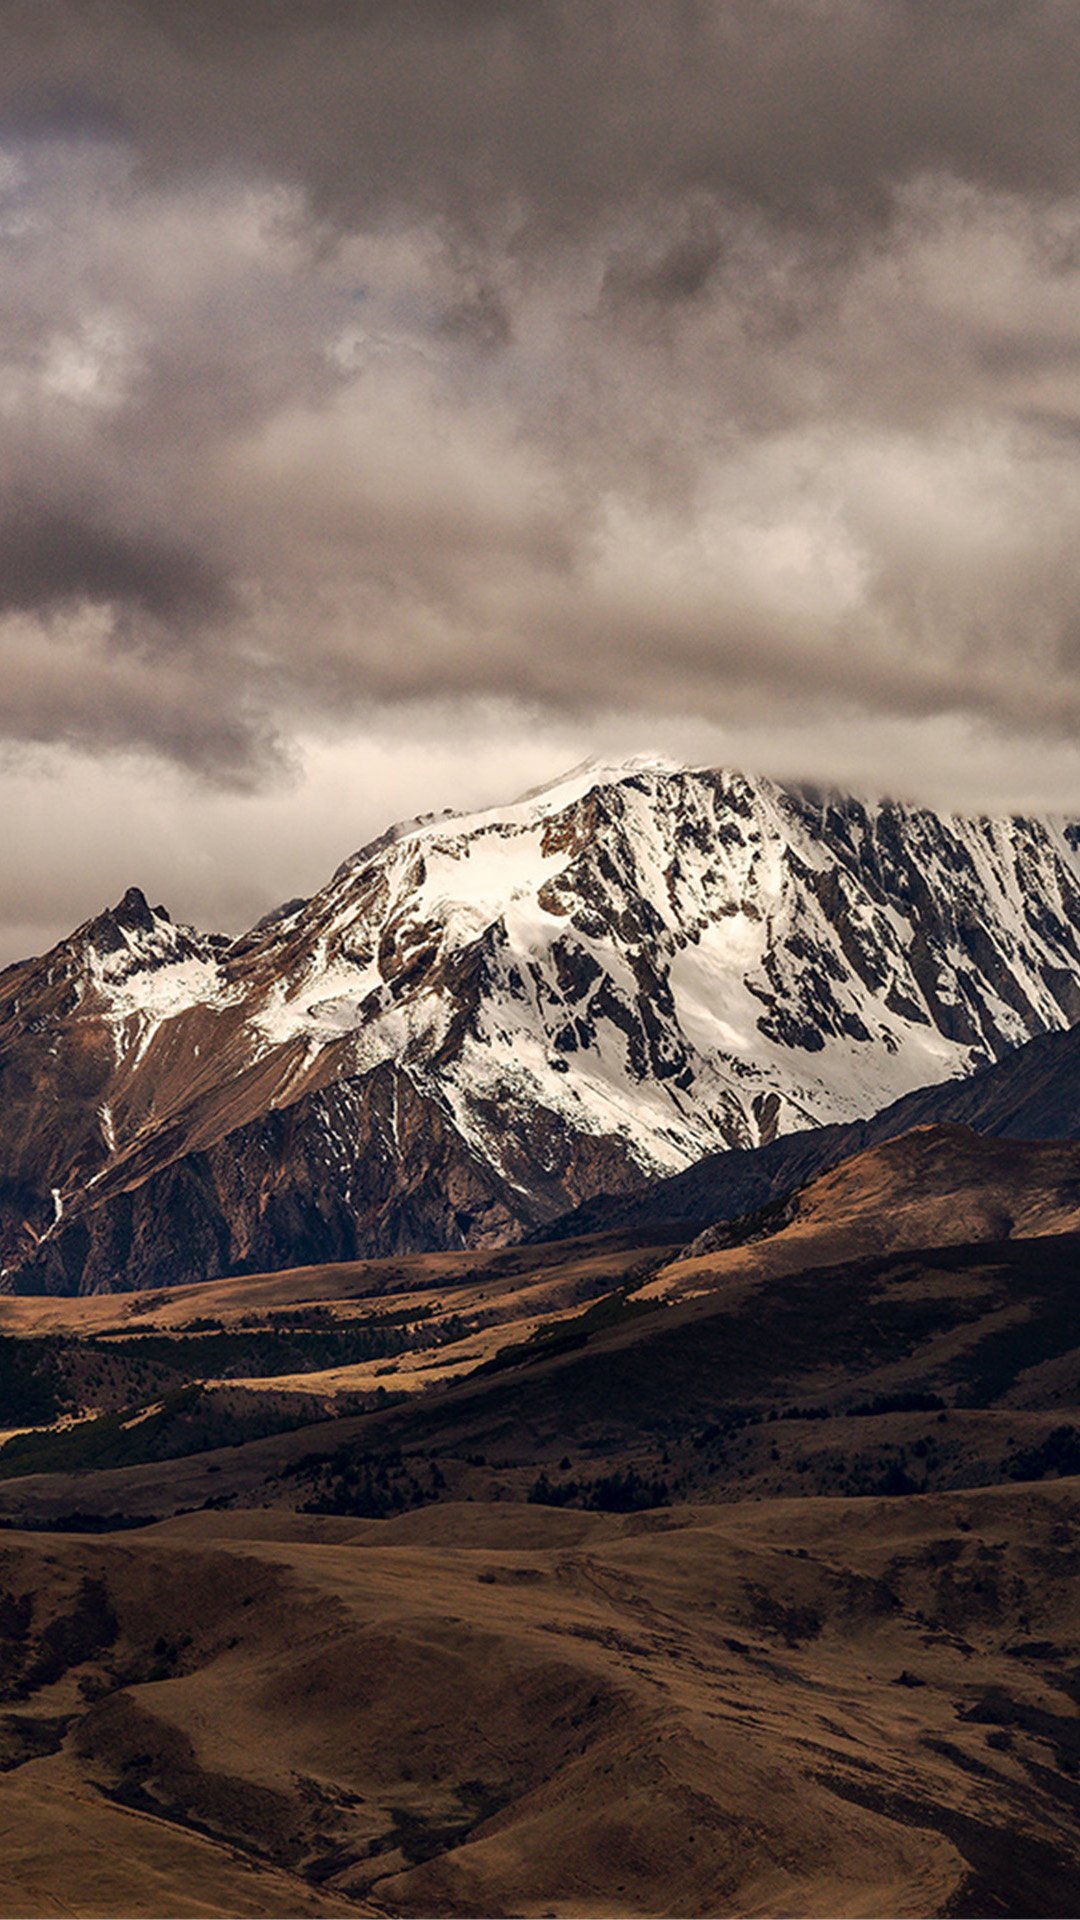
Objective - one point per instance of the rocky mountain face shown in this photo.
(482, 1021)
(1033, 1094)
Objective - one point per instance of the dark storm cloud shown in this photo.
(713, 358)
(47, 559)
(802, 106)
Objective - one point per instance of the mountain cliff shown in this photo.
(482, 1021)
(1033, 1094)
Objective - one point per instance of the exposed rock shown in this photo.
(600, 984)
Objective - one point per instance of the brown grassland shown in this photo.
(615, 1579)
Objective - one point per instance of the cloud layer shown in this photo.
(709, 359)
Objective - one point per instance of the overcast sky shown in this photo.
(402, 399)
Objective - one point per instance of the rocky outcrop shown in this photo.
(362, 1168)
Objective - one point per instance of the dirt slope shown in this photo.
(935, 1186)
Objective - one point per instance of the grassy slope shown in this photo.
(830, 1664)
(807, 1707)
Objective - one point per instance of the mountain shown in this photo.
(482, 1021)
(1033, 1094)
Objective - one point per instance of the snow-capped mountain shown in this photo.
(481, 1020)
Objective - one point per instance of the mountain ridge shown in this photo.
(577, 992)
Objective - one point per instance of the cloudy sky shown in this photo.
(402, 399)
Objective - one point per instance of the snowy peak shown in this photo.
(605, 980)
(534, 804)
(682, 959)
(596, 771)
(135, 930)
(134, 958)
(121, 940)
(95, 967)
(132, 915)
